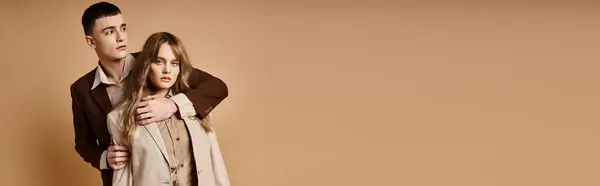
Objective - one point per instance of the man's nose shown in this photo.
(120, 36)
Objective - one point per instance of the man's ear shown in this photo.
(90, 41)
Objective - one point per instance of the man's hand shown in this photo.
(154, 108)
(117, 156)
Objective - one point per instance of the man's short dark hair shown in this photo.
(97, 11)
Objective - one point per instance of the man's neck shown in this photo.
(113, 69)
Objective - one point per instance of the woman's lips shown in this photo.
(165, 79)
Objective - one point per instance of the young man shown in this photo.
(95, 94)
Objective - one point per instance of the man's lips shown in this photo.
(122, 47)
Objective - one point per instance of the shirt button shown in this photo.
(177, 139)
(181, 165)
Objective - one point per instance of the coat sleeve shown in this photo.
(122, 177)
(205, 92)
(218, 164)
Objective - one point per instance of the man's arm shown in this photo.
(206, 92)
(85, 140)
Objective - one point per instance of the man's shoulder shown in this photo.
(84, 82)
(136, 54)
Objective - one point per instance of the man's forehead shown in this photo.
(115, 20)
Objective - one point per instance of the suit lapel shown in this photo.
(158, 140)
(101, 97)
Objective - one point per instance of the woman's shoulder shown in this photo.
(116, 115)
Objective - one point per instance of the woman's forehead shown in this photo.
(166, 52)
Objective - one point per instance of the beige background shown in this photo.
(419, 93)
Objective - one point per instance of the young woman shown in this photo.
(180, 151)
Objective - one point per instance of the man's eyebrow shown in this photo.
(110, 27)
(123, 25)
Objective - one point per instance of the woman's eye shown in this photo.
(175, 64)
(158, 62)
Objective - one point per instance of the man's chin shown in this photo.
(120, 55)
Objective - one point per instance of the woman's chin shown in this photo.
(163, 85)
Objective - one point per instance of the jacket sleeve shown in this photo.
(206, 92)
(124, 176)
(218, 164)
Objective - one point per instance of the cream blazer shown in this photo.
(149, 165)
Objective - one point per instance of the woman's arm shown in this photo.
(219, 169)
(124, 176)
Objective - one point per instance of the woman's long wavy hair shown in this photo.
(139, 82)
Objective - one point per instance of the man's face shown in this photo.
(109, 37)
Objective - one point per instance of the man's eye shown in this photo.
(123, 29)
(109, 32)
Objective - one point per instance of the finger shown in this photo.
(110, 155)
(143, 122)
(144, 116)
(121, 159)
(148, 121)
(151, 97)
(143, 104)
(153, 119)
(142, 110)
(121, 154)
(119, 148)
(111, 148)
(118, 166)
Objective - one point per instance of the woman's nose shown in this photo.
(166, 69)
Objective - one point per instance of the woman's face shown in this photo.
(165, 69)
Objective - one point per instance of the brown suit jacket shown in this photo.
(90, 108)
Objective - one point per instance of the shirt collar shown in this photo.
(102, 78)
